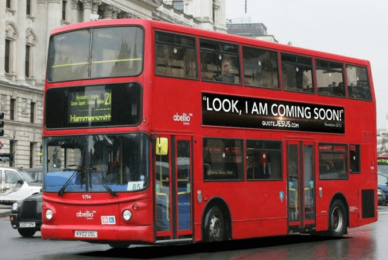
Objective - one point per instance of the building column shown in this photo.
(21, 42)
(74, 11)
(87, 6)
(106, 11)
(2, 39)
(54, 15)
(96, 4)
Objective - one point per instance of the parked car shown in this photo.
(383, 185)
(381, 197)
(16, 185)
(36, 173)
(26, 215)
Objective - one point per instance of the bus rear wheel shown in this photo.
(337, 219)
(214, 225)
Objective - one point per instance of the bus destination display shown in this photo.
(93, 106)
(235, 111)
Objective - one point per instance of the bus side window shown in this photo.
(260, 68)
(330, 78)
(354, 157)
(219, 62)
(297, 73)
(175, 56)
(358, 83)
(263, 160)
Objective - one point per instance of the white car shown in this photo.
(16, 185)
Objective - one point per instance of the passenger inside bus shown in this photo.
(225, 76)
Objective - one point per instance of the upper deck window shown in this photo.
(220, 62)
(175, 56)
(358, 83)
(297, 73)
(96, 53)
(330, 78)
(260, 68)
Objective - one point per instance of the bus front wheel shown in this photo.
(214, 225)
(337, 219)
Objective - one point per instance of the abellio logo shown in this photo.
(185, 118)
(86, 214)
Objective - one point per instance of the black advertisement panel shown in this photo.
(235, 111)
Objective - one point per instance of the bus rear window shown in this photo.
(96, 53)
(93, 106)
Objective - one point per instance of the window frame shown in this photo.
(367, 78)
(220, 51)
(263, 50)
(176, 44)
(297, 64)
(333, 152)
(240, 176)
(331, 70)
(265, 150)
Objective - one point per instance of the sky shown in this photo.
(354, 28)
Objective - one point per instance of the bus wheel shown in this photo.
(119, 245)
(214, 225)
(337, 219)
(26, 232)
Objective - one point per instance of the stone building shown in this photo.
(25, 26)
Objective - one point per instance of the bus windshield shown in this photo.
(96, 53)
(97, 163)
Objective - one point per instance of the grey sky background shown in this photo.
(354, 28)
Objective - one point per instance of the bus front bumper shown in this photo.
(99, 234)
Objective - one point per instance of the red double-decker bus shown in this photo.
(156, 133)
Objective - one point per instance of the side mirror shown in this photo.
(20, 182)
(161, 146)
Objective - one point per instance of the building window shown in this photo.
(12, 145)
(32, 112)
(8, 4)
(64, 10)
(12, 109)
(32, 145)
(7, 55)
(178, 5)
(28, 9)
(27, 64)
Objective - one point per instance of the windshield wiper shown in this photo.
(103, 182)
(60, 192)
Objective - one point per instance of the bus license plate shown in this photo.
(85, 233)
(26, 224)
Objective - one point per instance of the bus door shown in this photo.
(173, 178)
(301, 184)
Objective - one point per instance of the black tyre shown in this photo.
(119, 245)
(214, 225)
(337, 219)
(26, 232)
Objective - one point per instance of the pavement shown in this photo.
(5, 210)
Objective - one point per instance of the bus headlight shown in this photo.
(14, 206)
(127, 215)
(49, 214)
